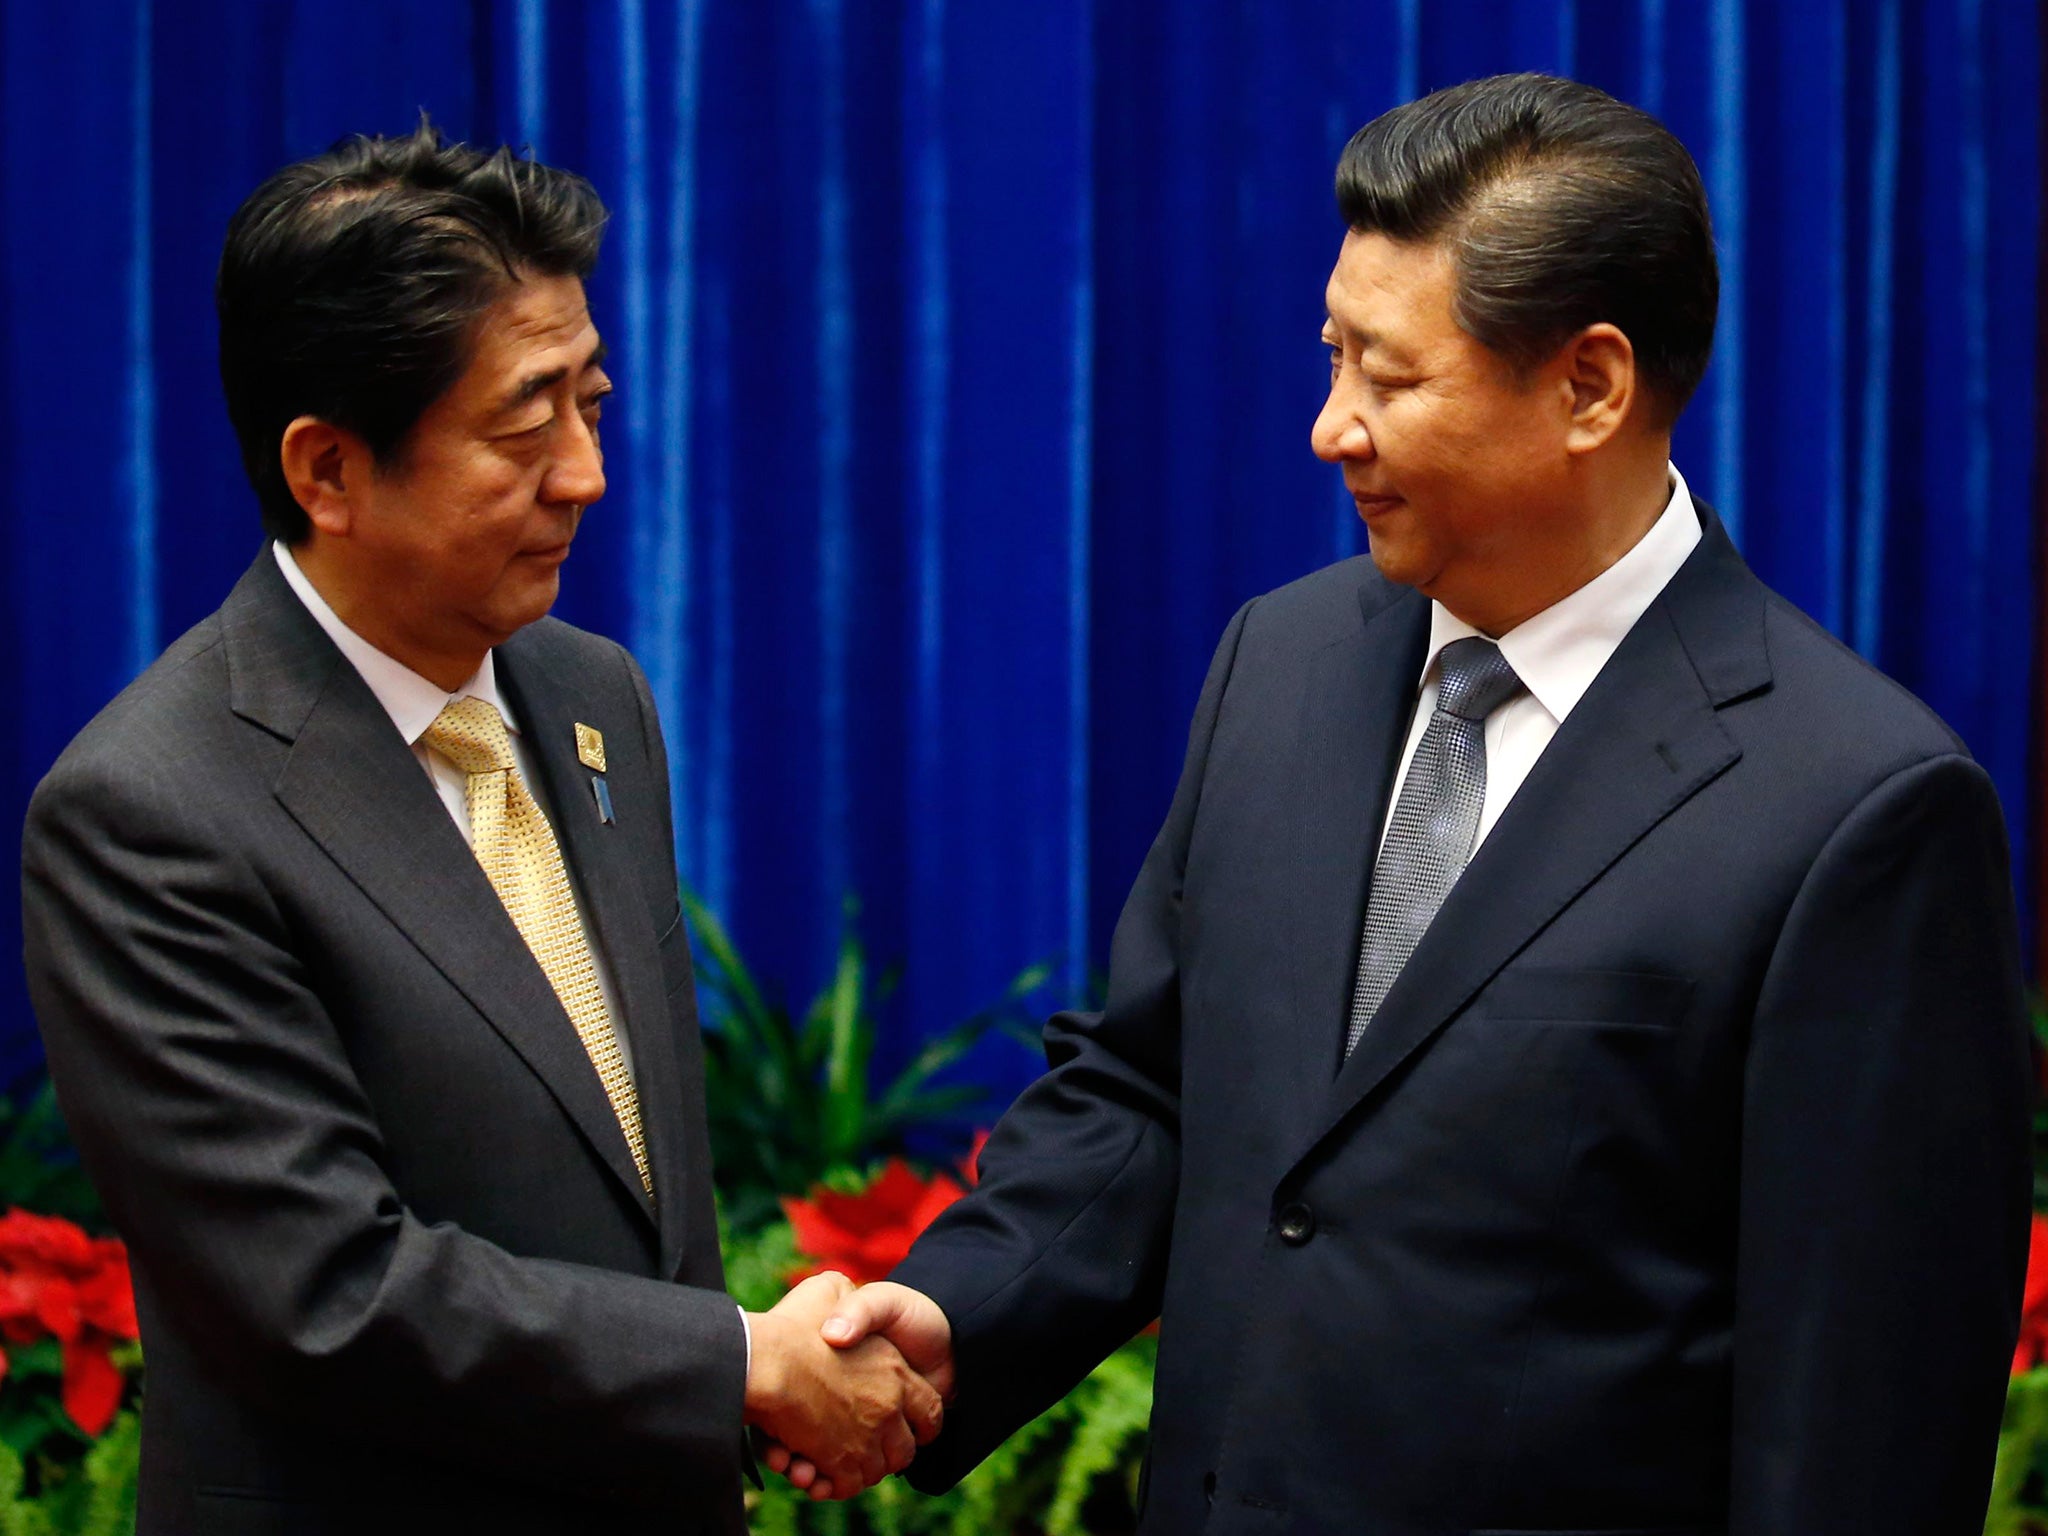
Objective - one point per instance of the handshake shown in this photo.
(845, 1382)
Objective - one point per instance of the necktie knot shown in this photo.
(471, 734)
(1435, 821)
(1474, 679)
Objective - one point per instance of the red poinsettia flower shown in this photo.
(2033, 1344)
(56, 1281)
(864, 1236)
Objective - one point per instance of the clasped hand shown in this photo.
(847, 1383)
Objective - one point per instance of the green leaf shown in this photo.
(939, 1104)
(998, 1494)
(814, 1039)
(757, 1264)
(938, 1053)
(30, 1421)
(1109, 1434)
(776, 1510)
(729, 973)
(846, 1060)
(2021, 1441)
(45, 1357)
(112, 1469)
(1029, 1036)
(1027, 981)
(19, 1514)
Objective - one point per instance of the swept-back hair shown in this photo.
(351, 284)
(1560, 207)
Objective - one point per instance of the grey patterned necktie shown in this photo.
(1435, 821)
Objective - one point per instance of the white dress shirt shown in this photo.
(414, 703)
(1556, 653)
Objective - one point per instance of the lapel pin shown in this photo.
(590, 748)
(602, 791)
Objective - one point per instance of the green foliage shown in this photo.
(32, 1417)
(56, 1480)
(93, 1495)
(1109, 1425)
(758, 1262)
(2021, 1471)
(790, 1102)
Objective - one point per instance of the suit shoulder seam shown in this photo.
(1785, 610)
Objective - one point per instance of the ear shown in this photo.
(326, 468)
(1600, 367)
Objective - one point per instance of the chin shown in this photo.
(1399, 560)
(533, 601)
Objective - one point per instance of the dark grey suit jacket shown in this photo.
(395, 1267)
(1680, 1184)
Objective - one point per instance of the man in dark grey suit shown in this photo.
(1563, 1068)
(352, 927)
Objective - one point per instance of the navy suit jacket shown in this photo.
(395, 1267)
(1680, 1184)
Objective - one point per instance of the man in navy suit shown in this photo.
(1564, 1065)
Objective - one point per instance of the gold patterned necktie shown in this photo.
(516, 846)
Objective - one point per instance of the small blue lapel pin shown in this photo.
(599, 788)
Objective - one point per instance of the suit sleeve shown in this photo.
(1059, 1255)
(1885, 1184)
(656, 750)
(213, 1101)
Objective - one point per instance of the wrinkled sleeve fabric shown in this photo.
(213, 1101)
(1885, 1176)
(1059, 1256)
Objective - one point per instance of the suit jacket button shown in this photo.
(1297, 1224)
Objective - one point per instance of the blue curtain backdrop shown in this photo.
(967, 355)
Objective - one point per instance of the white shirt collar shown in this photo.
(1557, 653)
(413, 702)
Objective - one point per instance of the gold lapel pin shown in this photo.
(590, 747)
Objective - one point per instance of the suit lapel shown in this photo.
(356, 789)
(1643, 740)
(597, 854)
(1355, 708)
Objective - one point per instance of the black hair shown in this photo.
(351, 283)
(1560, 207)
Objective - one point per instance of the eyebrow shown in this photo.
(540, 383)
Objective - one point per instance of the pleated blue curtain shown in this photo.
(966, 359)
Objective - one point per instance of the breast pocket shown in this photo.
(1548, 995)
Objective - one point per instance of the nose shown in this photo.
(577, 474)
(1339, 432)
